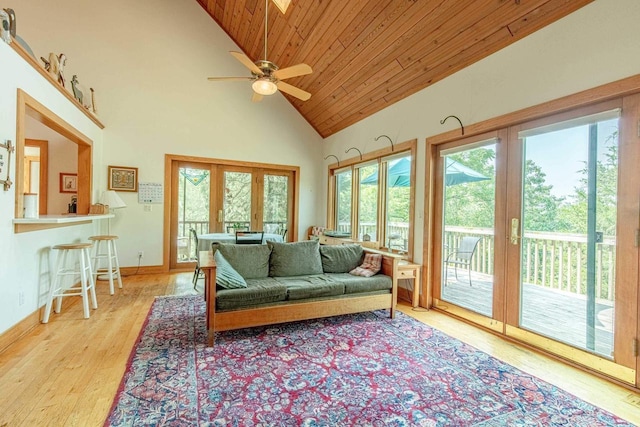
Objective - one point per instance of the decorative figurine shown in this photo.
(5, 27)
(55, 66)
(12, 21)
(77, 93)
(93, 101)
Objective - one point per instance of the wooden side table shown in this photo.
(409, 270)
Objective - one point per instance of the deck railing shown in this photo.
(552, 260)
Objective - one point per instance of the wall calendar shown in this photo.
(150, 192)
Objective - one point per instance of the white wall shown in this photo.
(26, 257)
(148, 61)
(594, 45)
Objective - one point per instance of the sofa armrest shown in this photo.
(389, 268)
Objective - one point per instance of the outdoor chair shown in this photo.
(193, 256)
(249, 237)
(462, 256)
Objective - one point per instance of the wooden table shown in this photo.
(409, 270)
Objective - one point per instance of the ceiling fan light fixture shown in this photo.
(264, 86)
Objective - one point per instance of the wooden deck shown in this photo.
(555, 314)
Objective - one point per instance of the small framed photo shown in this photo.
(122, 178)
(68, 182)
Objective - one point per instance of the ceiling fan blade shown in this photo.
(244, 59)
(293, 91)
(293, 71)
(256, 97)
(229, 79)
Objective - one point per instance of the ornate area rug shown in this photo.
(363, 369)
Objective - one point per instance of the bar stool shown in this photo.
(81, 266)
(112, 269)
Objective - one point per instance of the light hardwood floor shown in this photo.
(67, 372)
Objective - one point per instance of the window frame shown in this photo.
(379, 157)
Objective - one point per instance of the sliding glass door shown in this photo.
(468, 217)
(539, 241)
(209, 197)
(569, 215)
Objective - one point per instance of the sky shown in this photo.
(562, 154)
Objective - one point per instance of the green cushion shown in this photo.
(250, 261)
(258, 291)
(226, 276)
(340, 258)
(294, 259)
(316, 286)
(356, 284)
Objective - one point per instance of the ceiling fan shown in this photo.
(266, 76)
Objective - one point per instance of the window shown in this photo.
(373, 198)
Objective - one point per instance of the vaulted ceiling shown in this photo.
(369, 54)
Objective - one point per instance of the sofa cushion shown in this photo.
(250, 261)
(313, 286)
(226, 276)
(356, 284)
(340, 258)
(294, 259)
(370, 266)
(258, 291)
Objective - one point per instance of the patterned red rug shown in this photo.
(363, 369)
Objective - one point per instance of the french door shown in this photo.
(210, 197)
(538, 240)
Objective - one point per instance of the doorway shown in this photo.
(222, 196)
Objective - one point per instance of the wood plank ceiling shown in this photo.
(369, 54)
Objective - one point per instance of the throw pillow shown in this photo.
(250, 261)
(370, 266)
(226, 276)
(294, 259)
(340, 258)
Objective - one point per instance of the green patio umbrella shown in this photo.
(399, 173)
(457, 173)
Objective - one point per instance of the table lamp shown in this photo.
(110, 198)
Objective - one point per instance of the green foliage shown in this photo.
(472, 204)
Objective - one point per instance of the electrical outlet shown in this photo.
(21, 298)
(140, 254)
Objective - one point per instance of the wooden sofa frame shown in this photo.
(268, 315)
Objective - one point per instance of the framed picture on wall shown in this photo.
(122, 178)
(68, 182)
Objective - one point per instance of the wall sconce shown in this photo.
(331, 155)
(354, 148)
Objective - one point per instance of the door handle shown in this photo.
(515, 225)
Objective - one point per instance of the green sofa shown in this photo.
(291, 281)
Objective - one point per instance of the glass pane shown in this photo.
(569, 225)
(276, 209)
(193, 209)
(368, 203)
(343, 201)
(468, 228)
(398, 203)
(237, 201)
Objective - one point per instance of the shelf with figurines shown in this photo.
(53, 69)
